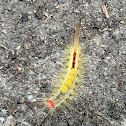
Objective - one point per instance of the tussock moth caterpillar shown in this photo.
(67, 83)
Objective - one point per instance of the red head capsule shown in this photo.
(50, 104)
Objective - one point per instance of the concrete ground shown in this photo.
(33, 37)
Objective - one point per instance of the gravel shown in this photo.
(34, 35)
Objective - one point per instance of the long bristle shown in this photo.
(76, 38)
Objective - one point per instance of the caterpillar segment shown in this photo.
(69, 82)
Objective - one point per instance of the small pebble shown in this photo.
(99, 19)
(36, 92)
(21, 93)
(89, 92)
(106, 60)
(4, 111)
(105, 34)
(4, 31)
(44, 76)
(2, 119)
(122, 22)
(92, 66)
(13, 1)
(105, 68)
(92, 76)
(60, 1)
(24, 17)
(39, 77)
(18, 47)
(26, 124)
(30, 97)
(39, 12)
(46, 14)
(9, 120)
(107, 57)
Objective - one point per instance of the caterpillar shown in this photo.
(68, 84)
(69, 81)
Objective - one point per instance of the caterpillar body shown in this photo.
(68, 84)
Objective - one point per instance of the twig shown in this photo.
(121, 85)
(47, 115)
(22, 121)
(51, 15)
(4, 47)
(35, 102)
(105, 11)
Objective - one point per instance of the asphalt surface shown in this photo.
(33, 37)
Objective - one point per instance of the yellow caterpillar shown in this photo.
(69, 81)
(67, 85)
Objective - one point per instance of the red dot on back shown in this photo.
(74, 57)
